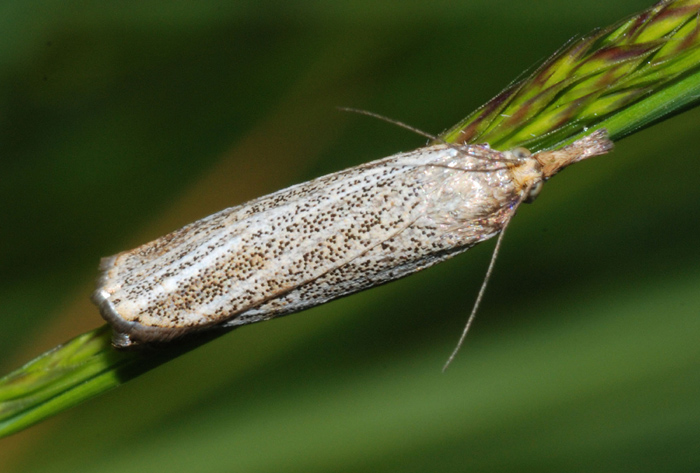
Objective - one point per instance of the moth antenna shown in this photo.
(390, 120)
(411, 128)
(482, 290)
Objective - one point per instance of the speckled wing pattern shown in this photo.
(309, 243)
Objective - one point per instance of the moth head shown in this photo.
(530, 171)
(527, 173)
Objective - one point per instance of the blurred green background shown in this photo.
(121, 122)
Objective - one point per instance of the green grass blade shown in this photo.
(75, 371)
(624, 77)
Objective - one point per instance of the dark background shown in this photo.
(119, 123)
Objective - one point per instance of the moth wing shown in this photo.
(208, 272)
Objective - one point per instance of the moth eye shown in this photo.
(520, 153)
(534, 192)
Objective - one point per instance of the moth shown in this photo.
(323, 239)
